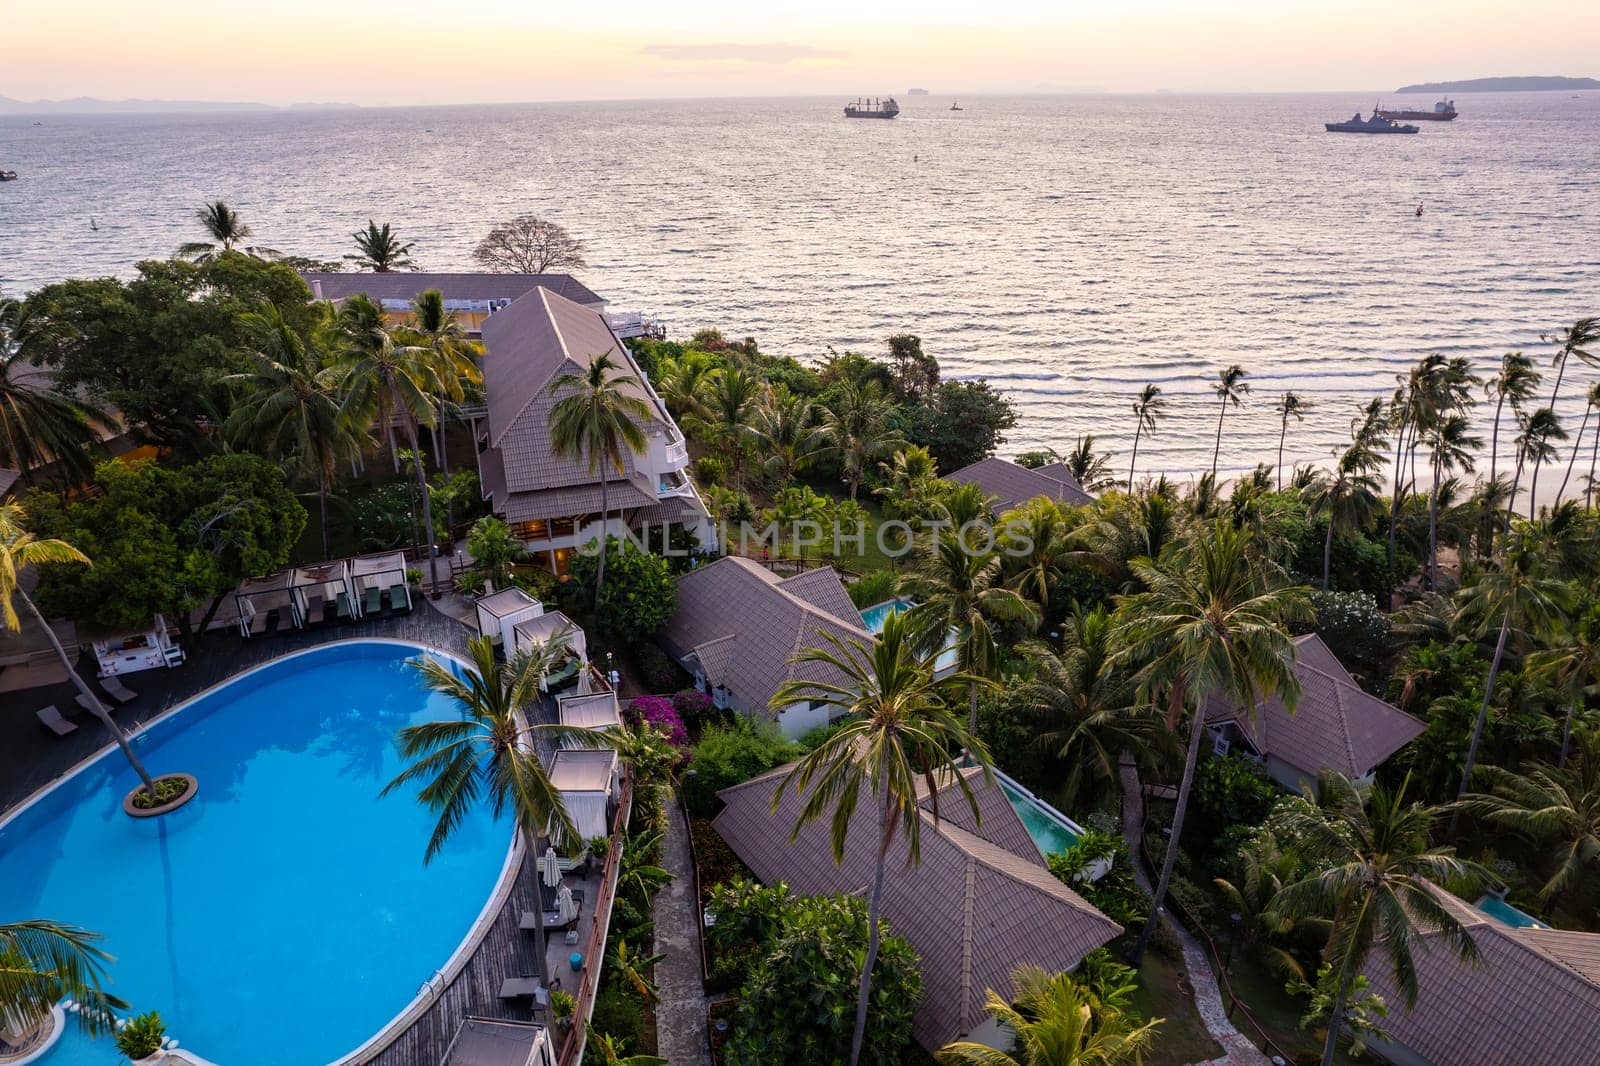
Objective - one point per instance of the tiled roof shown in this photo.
(736, 598)
(1012, 485)
(973, 909)
(582, 769)
(407, 285)
(1336, 725)
(824, 590)
(566, 502)
(506, 602)
(8, 478)
(1532, 999)
(597, 710)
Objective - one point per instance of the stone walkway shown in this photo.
(681, 1011)
(1207, 996)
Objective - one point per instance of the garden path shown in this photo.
(681, 1010)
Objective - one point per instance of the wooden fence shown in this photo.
(595, 950)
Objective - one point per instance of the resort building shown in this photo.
(737, 625)
(1336, 725)
(980, 902)
(1010, 485)
(553, 502)
(1531, 998)
(473, 297)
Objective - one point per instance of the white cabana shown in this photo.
(314, 587)
(586, 779)
(373, 575)
(596, 710)
(256, 597)
(124, 651)
(543, 628)
(500, 612)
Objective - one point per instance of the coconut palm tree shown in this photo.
(227, 232)
(435, 328)
(684, 383)
(1090, 468)
(599, 417)
(488, 753)
(1290, 406)
(897, 732)
(1589, 404)
(856, 425)
(787, 427)
(1230, 389)
(1378, 885)
(1209, 626)
(289, 410)
(1450, 442)
(959, 593)
(1514, 381)
(1575, 340)
(1555, 805)
(38, 424)
(380, 249)
(1570, 662)
(1518, 594)
(1056, 1020)
(1594, 447)
(1036, 542)
(1536, 450)
(20, 549)
(42, 963)
(731, 404)
(1265, 868)
(1348, 498)
(1434, 385)
(1148, 408)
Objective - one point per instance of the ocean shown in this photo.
(1067, 248)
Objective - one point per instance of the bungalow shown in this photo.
(553, 502)
(473, 297)
(1011, 485)
(980, 902)
(737, 624)
(1531, 998)
(1337, 725)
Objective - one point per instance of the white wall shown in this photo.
(801, 718)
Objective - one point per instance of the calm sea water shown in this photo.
(1068, 248)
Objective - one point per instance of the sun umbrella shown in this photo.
(550, 868)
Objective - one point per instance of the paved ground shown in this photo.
(1207, 996)
(681, 1013)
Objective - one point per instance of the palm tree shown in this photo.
(1266, 868)
(731, 405)
(632, 967)
(20, 549)
(1147, 410)
(1290, 406)
(1570, 661)
(1558, 805)
(1037, 545)
(380, 249)
(1594, 448)
(605, 1046)
(1518, 594)
(228, 234)
(437, 329)
(1211, 625)
(489, 753)
(856, 425)
(42, 963)
(897, 731)
(1535, 448)
(1515, 381)
(1056, 1021)
(1348, 498)
(684, 383)
(959, 593)
(1451, 445)
(1574, 341)
(1230, 390)
(598, 418)
(786, 428)
(1085, 705)
(38, 424)
(289, 411)
(1378, 885)
(1091, 469)
(1589, 404)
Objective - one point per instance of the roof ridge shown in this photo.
(976, 848)
(1519, 937)
(967, 916)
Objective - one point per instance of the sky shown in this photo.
(376, 52)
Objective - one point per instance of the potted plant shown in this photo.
(562, 1005)
(141, 1039)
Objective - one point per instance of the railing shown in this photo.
(595, 949)
(699, 897)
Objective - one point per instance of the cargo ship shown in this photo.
(1443, 111)
(872, 109)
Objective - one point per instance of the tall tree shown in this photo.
(1515, 381)
(1289, 406)
(380, 250)
(1570, 662)
(39, 424)
(598, 417)
(1210, 625)
(1230, 389)
(788, 430)
(529, 244)
(1543, 427)
(42, 963)
(1148, 408)
(856, 424)
(227, 232)
(1347, 498)
(1377, 881)
(1092, 469)
(1589, 403)
(1575, 340)
(20, 549)
(434, 327)
(1450, 442)
(1056, 1020)
(1594, 448)
(731, 404)
(897, 731)
(488, 753)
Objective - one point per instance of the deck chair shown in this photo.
(258, 623)
(524, 988)
(397, 597)
(118, 691)
(314, 612)
(53, 721)
(83, 701)
(374, 600)
(342, 608)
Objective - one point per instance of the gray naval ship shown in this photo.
(1376, 124)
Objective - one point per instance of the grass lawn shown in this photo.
(1182, 1037)
(1277, 1012)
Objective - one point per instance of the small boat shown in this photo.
(956, 107)
(1375, 124)
(8, 175)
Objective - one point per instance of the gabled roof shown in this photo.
(596, 710)
(742, 624)
(583, 769)
(408, 285)
(824, 590)
(980, 903)
(1532, 999)
(1337, 725)
(506, 602)
(1012, 485)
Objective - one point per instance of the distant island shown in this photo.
(1502, 85)
(916, 92)
(89, 105)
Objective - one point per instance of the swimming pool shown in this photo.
(285, 915)
(1048, 829)
(1500, 910)
(878, 613)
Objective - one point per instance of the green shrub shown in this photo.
(1194, 900)
(873, 587)
(1354, 628)
(727, 755)
(537, 582)
(710, 470)
(639, 593)
(471, 582)
(619, 1013)
(142, 1036)
(1228, 790)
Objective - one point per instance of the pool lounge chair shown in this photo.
(524, 988)
(314, 610)
(258, 623)
(119, 692)
(397, 597)
(53, 721)
(83, 701)
(374, 600)
(343, 609)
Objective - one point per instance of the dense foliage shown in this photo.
(639, 593)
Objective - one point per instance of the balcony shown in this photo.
(677, 454)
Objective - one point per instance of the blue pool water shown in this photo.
(1502, 911)
(878, 613)
(1046, 831)
(285, 915)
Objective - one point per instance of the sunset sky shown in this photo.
(465, 51)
